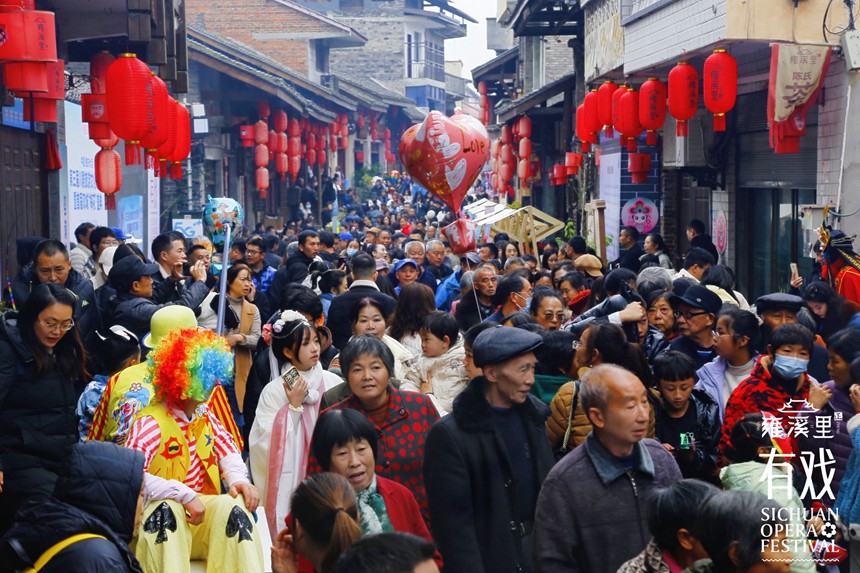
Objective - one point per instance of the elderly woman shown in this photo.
(401, 419)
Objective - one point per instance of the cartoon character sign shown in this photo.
(221, 210)
(641, 213)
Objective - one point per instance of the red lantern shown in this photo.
(482, 88)
(264, 110)
(558, 173)
(344, 142)
(281, 120)
(262, 181)
(359, 156)
(592, 120)
(321, 157)
(525, 126)
(523, 169)
(246, 134)
(507, 153)
(159, 132)
(108, 175)
(45, 104)
(282, 165)
(506, 172)
(683, 95)
(272, 141)
(183, 140)
(507, 136)
(130, 105)
(360, 121)
(261, 133)
(604, 105)
(261, 155)
(294, 128)
(295, 166)
(639, 164)
(28, 36)
(99, 65)
(652, 108)
(332, 143)
(281, 143)
(525, 150)
(26, 76)
(629, 115)
(581, 130)
(571, 166)
(720, 86)
(321, 142)
(294, 147)
(311, 157)
(108, 142)
(311, 141)
(165, 150)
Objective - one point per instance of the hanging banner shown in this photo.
(796, 76)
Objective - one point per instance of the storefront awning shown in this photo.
(507, 110)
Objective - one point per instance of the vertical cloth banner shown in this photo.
(796, 76)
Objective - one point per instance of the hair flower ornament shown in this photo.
(286, 317)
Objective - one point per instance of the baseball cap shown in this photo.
(129, 269)
(400, 264)
(120, 235)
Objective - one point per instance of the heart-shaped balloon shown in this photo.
(445, 155)
(461, 236)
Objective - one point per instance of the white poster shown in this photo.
(610, 191)
(153, 211)
(82, 201)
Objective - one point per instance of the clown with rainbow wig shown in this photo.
(188, 452)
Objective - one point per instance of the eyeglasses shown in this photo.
(54, 326)
(688, 315)
(250, 252)
(549, 316)
(576, 344)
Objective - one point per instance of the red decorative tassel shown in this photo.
(586, 147)
(719, 122)
(681, 129)
(110, 202)
(651, 138)
(163, 168)
(176, 170)
(132, 153)
(609, 132)
(631, 144)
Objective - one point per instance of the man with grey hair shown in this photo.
(434, 262)
(415, 250)
(600, 491)
(514, 263)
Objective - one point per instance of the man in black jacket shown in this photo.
(628, 239)
(295, 270)
(363, 285)
(593, 507)
(485, 463)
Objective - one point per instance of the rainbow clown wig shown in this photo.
(188, 364)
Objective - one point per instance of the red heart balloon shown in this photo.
(461, 236)
(445, 155)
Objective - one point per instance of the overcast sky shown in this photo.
(472, 49)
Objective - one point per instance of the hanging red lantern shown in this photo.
(108, 142)
(25, 76)
(720, 86)
(523, 169)
(507, 153)
(506, 172)
(261, 155)
(592, 121)
(525, 150)
(387, 145)
(262, 181)
(311, 157)
(246, 134)
(652, 108)
(294, 128)
(282, 143)
(525, 126)
(282, 165)
(45, 104)
(159, 132)
(558, 172)
(311, 141)
(581, 130)
(507, 135)
(321, 157)
(321, 142)
(360, 120)
(604, 106)
(295, 166)
(108, 167)
(630, 126)
(261, 133)
(344, 142)
(482, 88)
(294, 147)
(28, 36)
(183, 140)
(639, 164)
(165, 150)
(332, 143)
(359, 156)
(683, 95)
(281, 120)
(272, 141)
(264, 110)
(99, 65)
(130, 105)
(570, 164)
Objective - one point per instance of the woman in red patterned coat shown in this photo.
(402, 419)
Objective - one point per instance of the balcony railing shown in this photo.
(425, 61)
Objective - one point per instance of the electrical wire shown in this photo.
(841, 215)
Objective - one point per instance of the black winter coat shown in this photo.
(38, 425)
(707, 436)
(470, 487)
(97, 494)
(341, 307)
(23, 285)
(135, 312)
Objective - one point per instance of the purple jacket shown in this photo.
(840, 442)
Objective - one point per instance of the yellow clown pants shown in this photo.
(228, 539)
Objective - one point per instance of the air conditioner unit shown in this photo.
(680, 152)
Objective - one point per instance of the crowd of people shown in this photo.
(375, 402)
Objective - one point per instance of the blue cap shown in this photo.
(403, 263)
(120, 236)
(346, 236)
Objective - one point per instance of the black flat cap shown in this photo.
(497, 345)
(124, 272)
(778, 300)
(699, 297)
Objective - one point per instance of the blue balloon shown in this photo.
(218, 212)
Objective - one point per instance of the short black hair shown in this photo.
(363, 266)
(365, 344)
(307, 234)
(556, 354)
(508, 284)
(613, 281)
(493, 249)
(539, 294)
(326, 239)
(674, 508)
(441, 324)
(578, 245)
(700, 257)
(674, 366)
(845, 344)
(195, 248)
(82, 229)
(746, 437)
(574, 278)
(386, 553)
(239, 245)
(49, 248)
(336, 428)
(792, 333)
(472, 334)
(302, 299)
(257, 241)
(98, 234)
(697, 226)
(632, 231)
(162, 243)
